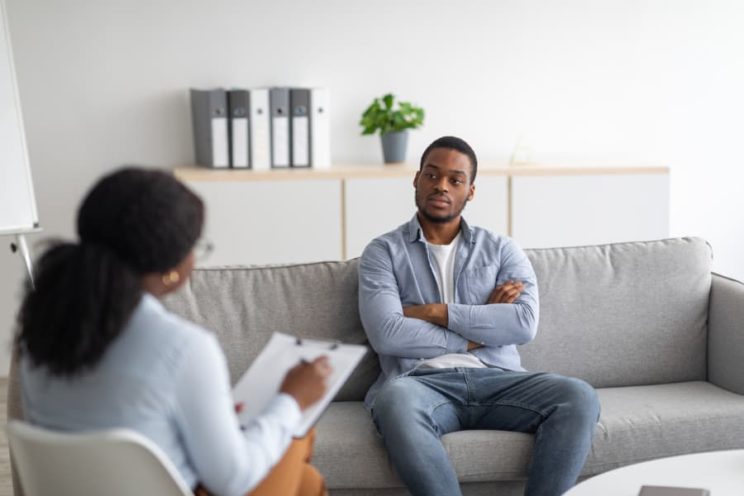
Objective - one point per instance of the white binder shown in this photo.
(260, 129)
(320, 128)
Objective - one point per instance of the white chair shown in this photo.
(115, 462)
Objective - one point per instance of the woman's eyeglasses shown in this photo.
(202, 249)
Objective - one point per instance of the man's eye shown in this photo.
(431, 176)
(456, 182)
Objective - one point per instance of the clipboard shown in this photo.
(261, 382)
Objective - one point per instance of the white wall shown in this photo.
(584, 81)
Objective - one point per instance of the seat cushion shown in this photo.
(646, 422)
(637, 423)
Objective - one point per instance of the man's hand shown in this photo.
(434, 313)
(506, 293)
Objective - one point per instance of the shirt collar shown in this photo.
(415, 233)
(150, 303)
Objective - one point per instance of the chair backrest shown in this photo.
(114, 462)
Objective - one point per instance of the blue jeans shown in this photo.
(412, 412)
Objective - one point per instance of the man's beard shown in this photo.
(441, 219)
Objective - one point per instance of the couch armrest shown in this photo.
(726, 334)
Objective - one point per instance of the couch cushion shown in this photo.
(245, 305)
(623, 314)
(637, 423)
(645, 422)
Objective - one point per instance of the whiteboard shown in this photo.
(17, 203)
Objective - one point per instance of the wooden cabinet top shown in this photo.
(195, 173)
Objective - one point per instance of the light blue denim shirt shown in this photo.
(396, 271)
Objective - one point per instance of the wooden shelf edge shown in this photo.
(196, 173)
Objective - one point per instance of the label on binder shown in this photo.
(220, 154)
(300, 144)
(280, 141)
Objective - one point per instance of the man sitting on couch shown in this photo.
(445, 305)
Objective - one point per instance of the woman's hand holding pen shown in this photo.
(305, 382)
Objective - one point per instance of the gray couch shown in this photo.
(646, 323)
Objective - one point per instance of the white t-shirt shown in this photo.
(443, 260)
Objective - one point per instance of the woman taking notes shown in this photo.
(99, 351)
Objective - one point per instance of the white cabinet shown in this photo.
(490, 206)
(588, 209)
(376, 206)
(373, 207)
(271, 222)
(296, 215)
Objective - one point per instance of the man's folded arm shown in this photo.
(389, 331)
(498, 324)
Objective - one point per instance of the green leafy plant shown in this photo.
(387, 115)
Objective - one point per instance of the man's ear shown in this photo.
(415, 178)
(471, 193)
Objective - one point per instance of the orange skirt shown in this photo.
(292, 475)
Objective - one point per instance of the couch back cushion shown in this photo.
(246, 305)
(614, 315)
(623, 314)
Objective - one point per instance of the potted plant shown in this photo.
(392, 119)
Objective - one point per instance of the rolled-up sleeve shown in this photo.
(228, 459)
(389, 331)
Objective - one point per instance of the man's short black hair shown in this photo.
(453, 143)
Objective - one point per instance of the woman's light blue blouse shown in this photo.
(167, 379)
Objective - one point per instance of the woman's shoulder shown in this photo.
(155, 327)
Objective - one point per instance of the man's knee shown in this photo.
(395, 400)
(580, 398)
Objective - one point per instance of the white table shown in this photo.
(721, 472)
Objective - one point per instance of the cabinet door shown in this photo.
(376, 206)
(272, 222)
(552, 211)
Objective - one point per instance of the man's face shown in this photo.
(443, 185)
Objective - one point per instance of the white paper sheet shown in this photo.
(262, 380)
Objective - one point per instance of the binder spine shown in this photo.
(260, 129)
(320, 128)
(209, 117)
(238, 108)
(300, 132)
(280, 132)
